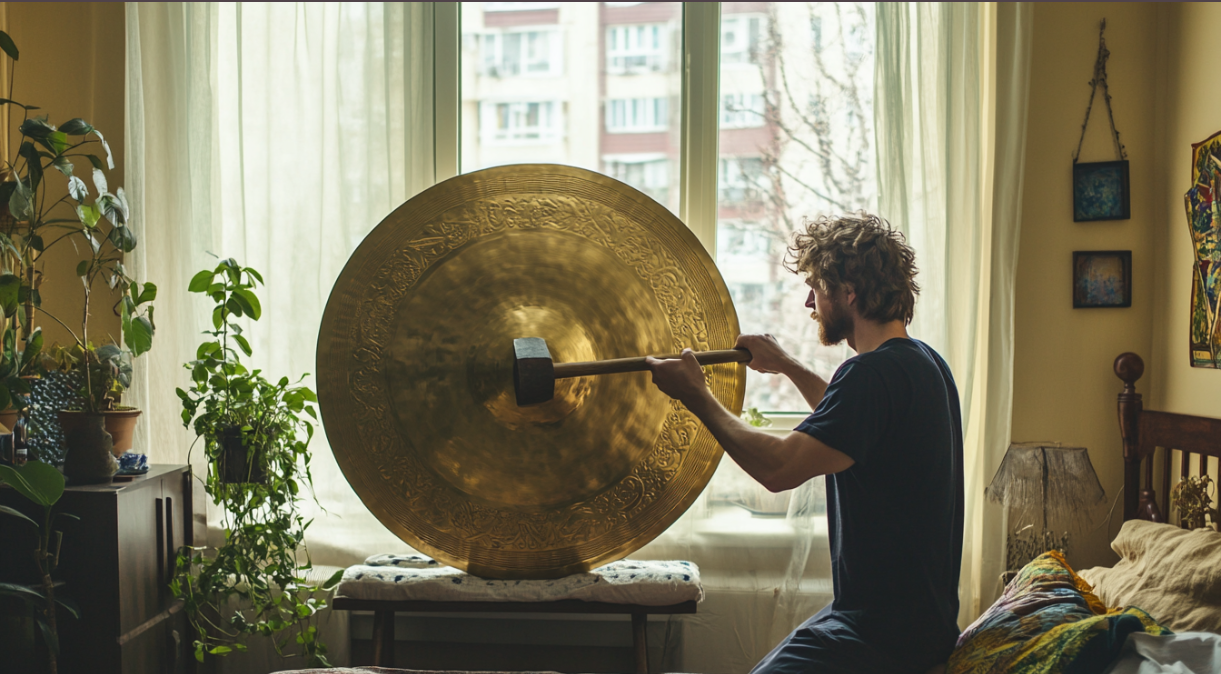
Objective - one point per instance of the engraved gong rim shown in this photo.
(411, 371)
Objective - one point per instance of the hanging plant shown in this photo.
(255, 435)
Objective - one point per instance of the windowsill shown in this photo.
(729, 523)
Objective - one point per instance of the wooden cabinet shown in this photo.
(117, 561)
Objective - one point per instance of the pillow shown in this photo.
(1172, 573)
(1047, 622)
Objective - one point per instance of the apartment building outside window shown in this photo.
(649, 174)
(636, 48)
(739, 180)
(522, 52)
(742, 111)
(741, 36)
(637, 115)
(520, 122)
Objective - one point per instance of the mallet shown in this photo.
(534, 373)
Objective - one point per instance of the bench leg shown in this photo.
(640, 642)
(383, 638)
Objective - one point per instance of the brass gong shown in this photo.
(415, 363)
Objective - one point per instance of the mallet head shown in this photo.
(533, 371)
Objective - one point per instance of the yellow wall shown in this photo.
(1190, 107)
(72, 65)
(1064, 387)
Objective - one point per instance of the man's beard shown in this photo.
(834, 324)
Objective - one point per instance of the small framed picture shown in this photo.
(1102, 278)
(1100, 191)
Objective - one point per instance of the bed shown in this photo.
(1167, 580)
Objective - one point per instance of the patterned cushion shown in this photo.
(418, 578)
(1048, 621)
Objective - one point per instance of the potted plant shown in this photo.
(119, 420)
(255, 434)
(42, 485)
(31, 223)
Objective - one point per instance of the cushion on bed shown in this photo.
(1172, 573)
(1047, 622)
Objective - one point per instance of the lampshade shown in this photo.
(1048, 477)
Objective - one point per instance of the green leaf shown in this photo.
(76, 127)
(218, 317)
(40, 482)
(10, 289)
(82, 267)
(36, 128)
(21, 204)
(33, 347)
(148, 294)
(69, 605)
(139, 337)
(5, 510)
(63, 165)
(97, 163)
(99, 181)
(78, 189)
(35, 242)
(333, 580)
(241, 342)
(22, 592)
(220, 650)
(88, 214)
(55, 141)
(201, 281)
(123, 238)
(48, 636)
(9, 47)
(249, 302)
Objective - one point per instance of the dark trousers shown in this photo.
(832, 643)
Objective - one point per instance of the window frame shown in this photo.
(698, 116)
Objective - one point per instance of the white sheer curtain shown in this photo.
(950, 113)
(278, 134)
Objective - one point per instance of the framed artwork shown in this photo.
(1102, 278)
(1100, 191)
(1201, 202)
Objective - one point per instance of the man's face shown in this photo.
(834, 320)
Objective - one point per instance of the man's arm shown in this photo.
(768, 356)
(777, 463)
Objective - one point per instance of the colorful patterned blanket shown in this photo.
(1048, 621)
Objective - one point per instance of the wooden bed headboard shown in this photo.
(1144, 431)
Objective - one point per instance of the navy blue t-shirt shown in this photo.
(895, 516)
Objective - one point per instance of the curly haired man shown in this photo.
(886, 432)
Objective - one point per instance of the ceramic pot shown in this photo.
(90, 458)
(120, 424)
(8, 417)
(234, 460)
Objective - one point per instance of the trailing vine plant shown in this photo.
(256, 437)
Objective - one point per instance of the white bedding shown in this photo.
(1183, 653)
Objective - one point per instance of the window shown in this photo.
(740, 180)
(637, 115)
(636, 49)
(742, 111)
(741, 36)
(527, 52)
(532, 122)
(649, 174)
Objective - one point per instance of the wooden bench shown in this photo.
(384, 611)
(386, 585)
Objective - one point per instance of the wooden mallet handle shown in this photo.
(637, 364)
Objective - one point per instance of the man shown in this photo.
(887, 434)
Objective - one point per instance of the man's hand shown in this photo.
(680, 378)
(766, 354)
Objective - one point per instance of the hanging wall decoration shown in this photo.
(1102, 278)
(1100, 189)
(1204, 220)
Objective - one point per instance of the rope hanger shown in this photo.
(1100, 77)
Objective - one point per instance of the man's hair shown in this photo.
(861, 251)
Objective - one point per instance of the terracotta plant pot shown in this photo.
(120, 424)
(90, 459)
(8, 417)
